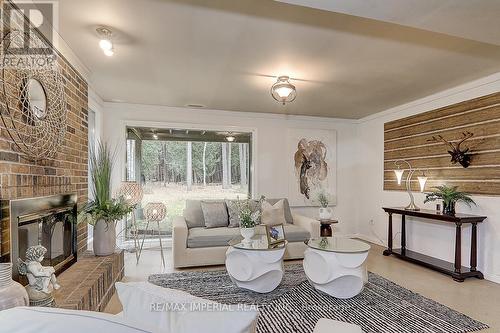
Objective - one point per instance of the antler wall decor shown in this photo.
(458, 155)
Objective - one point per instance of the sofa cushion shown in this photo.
(193, 214)
(201, 237)
(214, 214)
(294, 233)
(273, 214)
(286, 205)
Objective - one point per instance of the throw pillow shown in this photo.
(215, 214)
(193, 214)
(233, 208)
(273, 214)
(177, 311)
(288, 211)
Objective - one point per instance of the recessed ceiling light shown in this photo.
(198, 106)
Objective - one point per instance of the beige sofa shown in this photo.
(194, 245)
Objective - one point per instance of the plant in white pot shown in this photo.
(325, 212)
(102, 211)
(248, 220)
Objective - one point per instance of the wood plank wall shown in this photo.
(408, 139)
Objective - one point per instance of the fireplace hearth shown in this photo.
(47, 221)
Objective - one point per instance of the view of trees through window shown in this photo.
(174, 171)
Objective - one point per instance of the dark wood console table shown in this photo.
(456, 270)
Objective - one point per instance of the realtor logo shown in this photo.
(19, 25)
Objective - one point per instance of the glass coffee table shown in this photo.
(255, 265)
(336, 265)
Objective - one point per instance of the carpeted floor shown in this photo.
(382, 307)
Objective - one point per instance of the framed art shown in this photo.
(312, 165)
(275, 234)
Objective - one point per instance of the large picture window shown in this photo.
(174, 165)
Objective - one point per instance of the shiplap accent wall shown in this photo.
(408, 139)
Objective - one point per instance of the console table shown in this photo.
(456, 270)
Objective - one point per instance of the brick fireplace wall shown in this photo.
(65, 173)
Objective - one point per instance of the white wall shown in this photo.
(429, 238)
(271, 147)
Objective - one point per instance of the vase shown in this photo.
(325, 213)
(449, 208)
(247, 234)
(104, 242)
(12, 293)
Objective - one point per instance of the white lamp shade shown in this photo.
(422, 180)
(399, 175)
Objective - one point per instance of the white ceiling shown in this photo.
(473, 19)
(224, 53)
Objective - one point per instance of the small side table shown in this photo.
(336, 266)
(325, 229)
(256, 266)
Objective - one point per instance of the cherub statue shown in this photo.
(40, 278)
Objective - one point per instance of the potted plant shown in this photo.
(325, 212)
(248, 220)
(102, 211)
(450, 196)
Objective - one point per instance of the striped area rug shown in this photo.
(295, 306)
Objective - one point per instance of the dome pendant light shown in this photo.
(105, 42)
(283, 91)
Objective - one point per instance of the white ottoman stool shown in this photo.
(336, 265)
(255, 266)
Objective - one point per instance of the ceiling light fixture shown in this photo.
(283, 91)
(230, 137)
(155, 136)
(105, 42)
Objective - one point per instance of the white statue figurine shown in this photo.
(40, 278)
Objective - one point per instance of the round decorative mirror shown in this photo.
(36, 119)
(37, 100)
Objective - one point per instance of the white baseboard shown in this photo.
(369, 239)
(492, 277)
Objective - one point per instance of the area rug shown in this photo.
(295, 306)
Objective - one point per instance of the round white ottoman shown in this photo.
(255, 266)
(336, 265)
